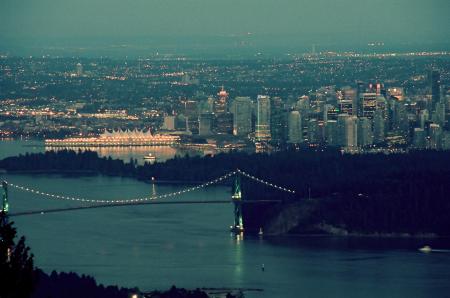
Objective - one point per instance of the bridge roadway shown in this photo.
(155, 202)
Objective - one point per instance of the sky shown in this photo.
(280, 21)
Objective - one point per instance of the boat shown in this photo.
(426, 248)
(260, 233)
(150, 157)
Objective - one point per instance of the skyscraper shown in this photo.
(341, 139)
(331, 134)
(314, 132)
(223, 119)
(348, 102)
(435, 132)
(241, 109)
(378, 127)
(351, 132)
(221, 103)
(369, 104)
(79, 69)
(365, 135)
(435, 78)
(295, 128)
(262, 129)
(278, 120)
(206, 121)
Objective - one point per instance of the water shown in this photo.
(162, 153)
(189, 245)
(153, 247)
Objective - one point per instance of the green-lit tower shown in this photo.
(238, 226)
(5, 205)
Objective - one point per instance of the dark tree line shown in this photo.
(368, 193)
(20, 279)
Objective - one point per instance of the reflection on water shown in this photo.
(162, 153)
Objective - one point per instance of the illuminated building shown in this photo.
(435, 78)
(378, 127)
(262, 129)
(419, 138)
(348, 102)
(439, 114)
(278, 120)
(331, 135)
(314, 132)
(242, 116)
(295, 135)
(351, 132)
(369, 104)
(397, 92)
(191, 114)
(424, 116)
(341, 129)
(435, 132)
(116, 138)
(221, 103)
(400, 118)
(223, 119)
(330, 112)
(169, 123)
(224, 123)
(79, 69)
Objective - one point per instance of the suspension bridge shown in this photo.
(167, 198)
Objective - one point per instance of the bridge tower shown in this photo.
(5, 204)
(236, 197)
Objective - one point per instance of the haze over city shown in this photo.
(213, 26)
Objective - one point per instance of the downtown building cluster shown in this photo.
(359, 118)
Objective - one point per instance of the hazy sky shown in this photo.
(330, 20)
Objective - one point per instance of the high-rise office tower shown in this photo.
(223, 119)
(331, 133)
(439, 114)
(419, 138)
(278, 120)
(241, 108)
(314, 131)
(351, 132)
(221, 103)
(365, 135)
(378, 127)
(295, 135)
(262, 128)
(435, 133)
(369, 104)
(191, 113)
(223, 123)
(400, 119)
(435, 78)
(79, 69)
(206, 121)
(330, 112)
(424, 116)
(341, 129)
(348, 102)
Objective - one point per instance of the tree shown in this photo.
(16, 263)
